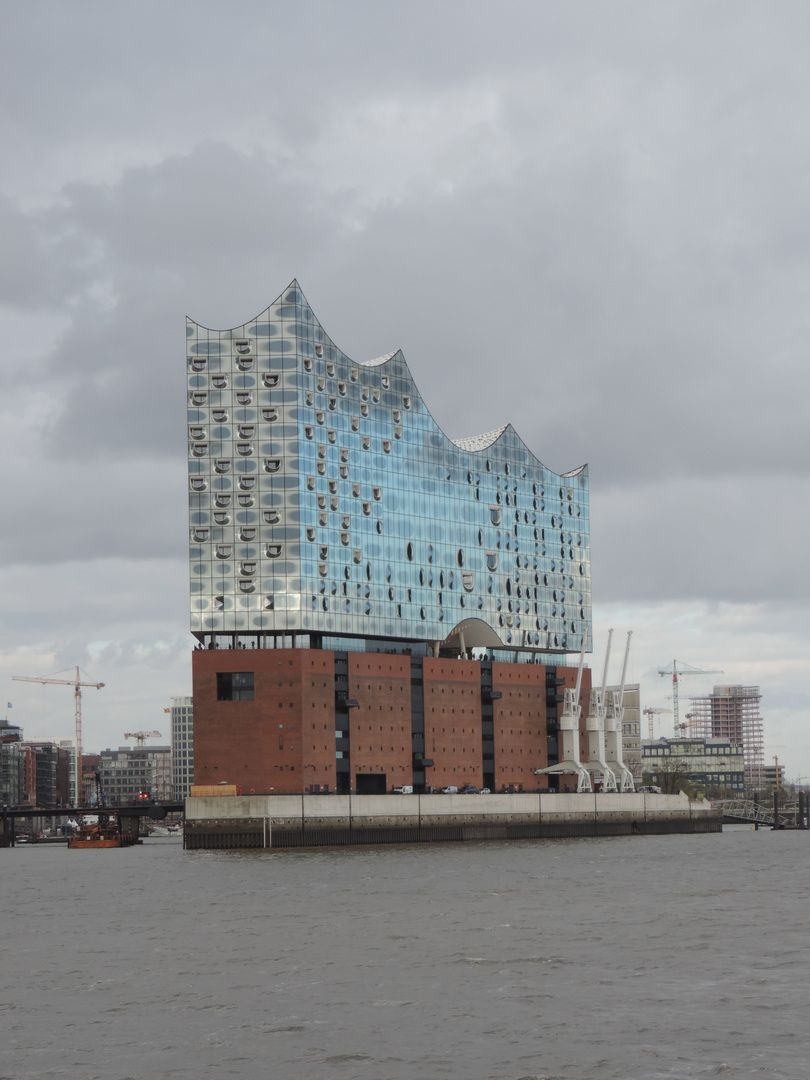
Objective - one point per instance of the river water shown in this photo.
(640, 957)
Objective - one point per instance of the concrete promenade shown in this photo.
(273, 821)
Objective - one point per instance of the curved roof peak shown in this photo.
(480, 442)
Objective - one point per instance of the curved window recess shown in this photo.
(344, 472)
(422, 614)
(421, 576)
(344, 453)
(221, 517)
(388, 572)
(197, 363)
(344, 539)
(369, 573)
(333, 486)
(200, 535)
(244, 449)
(364, 410)
(198, 483)
(224, 551)
(220, 381)
(247, 534)
(321, 467)
(199, 449)
(242, 346)
(495, 515)
(309, 431)
(272, 551)
(409, 551)
(307, 363)
(244, 500)
(460, 557)
(271, 415)
(310, 483)
(272, 465)
(197, 432)
(198, 397)
(356, 490)
(331, 436)
(492, 560)
(322, 450)
(323, 518)
(451, 580)
(310, 532)
(244, 363)
(222, 465)
(244, 397)
(322, 502)
(489, 466)
(379, 527)
(506, 468)
(367, 508)
(377, 493)
(398, 431)
(462, 601)
(247, 483)
(324, 552)
(246, 585)
(406, 401)
(366, 442)
(320, 416)
(357, 556)
(355, 422)
(222, 499)
(354, 374)
(330, 369)
(309, 397)
(334, 502)
(364, 393)
(375, 396)
(386, 445)
(248, 568)
(272, 517)
(332, 403)
(219, 603)
(318, 349)
(345, 521)
(268, 603)
(342, 389)
(508, 586)
(270, 379)
(247, 431)
(321, 383)
(498, 497)
(396, 415)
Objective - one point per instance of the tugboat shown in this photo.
(105, 832)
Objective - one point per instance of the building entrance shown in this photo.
(370, 784)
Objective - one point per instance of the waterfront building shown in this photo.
(182, 714)
(631, 728)
(732, 712)
(715, 765)
(376, 604)
(130, 772)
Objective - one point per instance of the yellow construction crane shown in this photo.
(77, 684)
(651, 713)
(139, 736)
(677, 672)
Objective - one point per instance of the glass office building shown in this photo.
(326, 505)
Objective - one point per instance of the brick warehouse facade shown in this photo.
(304, 720)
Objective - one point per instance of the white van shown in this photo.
(449, 791)
(406, 789)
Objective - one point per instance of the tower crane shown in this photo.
(677, 672)
(651, 713)
(140, 736)
(77, 684)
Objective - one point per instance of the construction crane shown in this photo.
(651, 713)
(77, 684)
(678, 672)
(140, 736)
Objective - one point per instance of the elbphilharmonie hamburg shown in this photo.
(353, 570)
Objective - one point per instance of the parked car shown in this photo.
(449, 791)
(468, 789)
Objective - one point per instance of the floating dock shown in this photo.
(295, 821)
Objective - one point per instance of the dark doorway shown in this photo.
(370, 784)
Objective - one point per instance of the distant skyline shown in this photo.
(608, 202)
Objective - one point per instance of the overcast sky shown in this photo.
(587, 219)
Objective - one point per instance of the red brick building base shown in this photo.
(293, 720)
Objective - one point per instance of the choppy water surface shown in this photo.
(643, 957)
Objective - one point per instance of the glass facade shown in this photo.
(325, 500)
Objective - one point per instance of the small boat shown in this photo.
(100, 835)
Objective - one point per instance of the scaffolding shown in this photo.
(731, 713)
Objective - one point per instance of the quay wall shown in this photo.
(280, 821)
